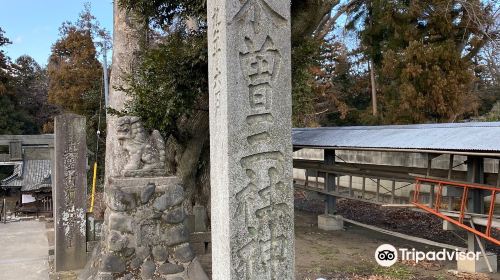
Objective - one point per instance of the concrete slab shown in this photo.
(478, 266)
(24, 253)
(330, 222)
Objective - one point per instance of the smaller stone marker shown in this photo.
(70, 195)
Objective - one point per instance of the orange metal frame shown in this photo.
(463, 204)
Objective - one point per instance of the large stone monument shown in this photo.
(70, 195)
(250, 139)
(144, 232)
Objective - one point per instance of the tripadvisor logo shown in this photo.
(386, 255)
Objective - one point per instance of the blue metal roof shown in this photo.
(472, 136)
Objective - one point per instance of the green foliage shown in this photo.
(174, 73)
(14, 120)
(422, 52)
(170, 79)
(304, 56)
(17, 93)
(161, 12)
(30, 87)
(4, 63)
(425, 83)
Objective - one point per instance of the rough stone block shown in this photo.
(160, 254)
(147, 192)
(174, 216)
(120, 222)
(117, 241)
(184, 253)
(113, 264)
(330, 222)
(170, 268)
(148, 268)
(176, 235)
(120, 201)
(172, 197)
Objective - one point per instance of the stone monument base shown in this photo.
(476, 266)
(144, 235)
(330, 222)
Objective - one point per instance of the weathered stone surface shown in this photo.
(170, 268)
(145, 154)
(117, 241)
(136, 263)
(160, 254)
(173, 196)
(142, 252)
(141, 238)
(176, 235)
(120, 201)
(148, 268)
(120, 222)
(70, 196)
(184, 253)
(200, 218)
(195, 271)
(250, 147)
(127, 276)
(174, 216)
(147, 192)
(127, 252)
(114, 264)
(105, 276)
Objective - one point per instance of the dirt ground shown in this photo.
(349, 254)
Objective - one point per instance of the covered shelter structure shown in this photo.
(449, 170)
(29, 187)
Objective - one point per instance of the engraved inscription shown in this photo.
(256, 11)
(249, 68)
(216, 54)
(260, 66)
(267, 217)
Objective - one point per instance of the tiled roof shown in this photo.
(31, 175)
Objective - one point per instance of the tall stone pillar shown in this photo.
(70, 192)
(250, 139)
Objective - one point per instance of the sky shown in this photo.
(33, 25)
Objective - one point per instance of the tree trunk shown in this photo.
(127, 36)
(189, 157)
(374, 88)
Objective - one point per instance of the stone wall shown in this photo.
(144, 233)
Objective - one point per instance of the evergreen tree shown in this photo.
(74, 71)
(76, 78)
(14, 119)
(422, 51)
